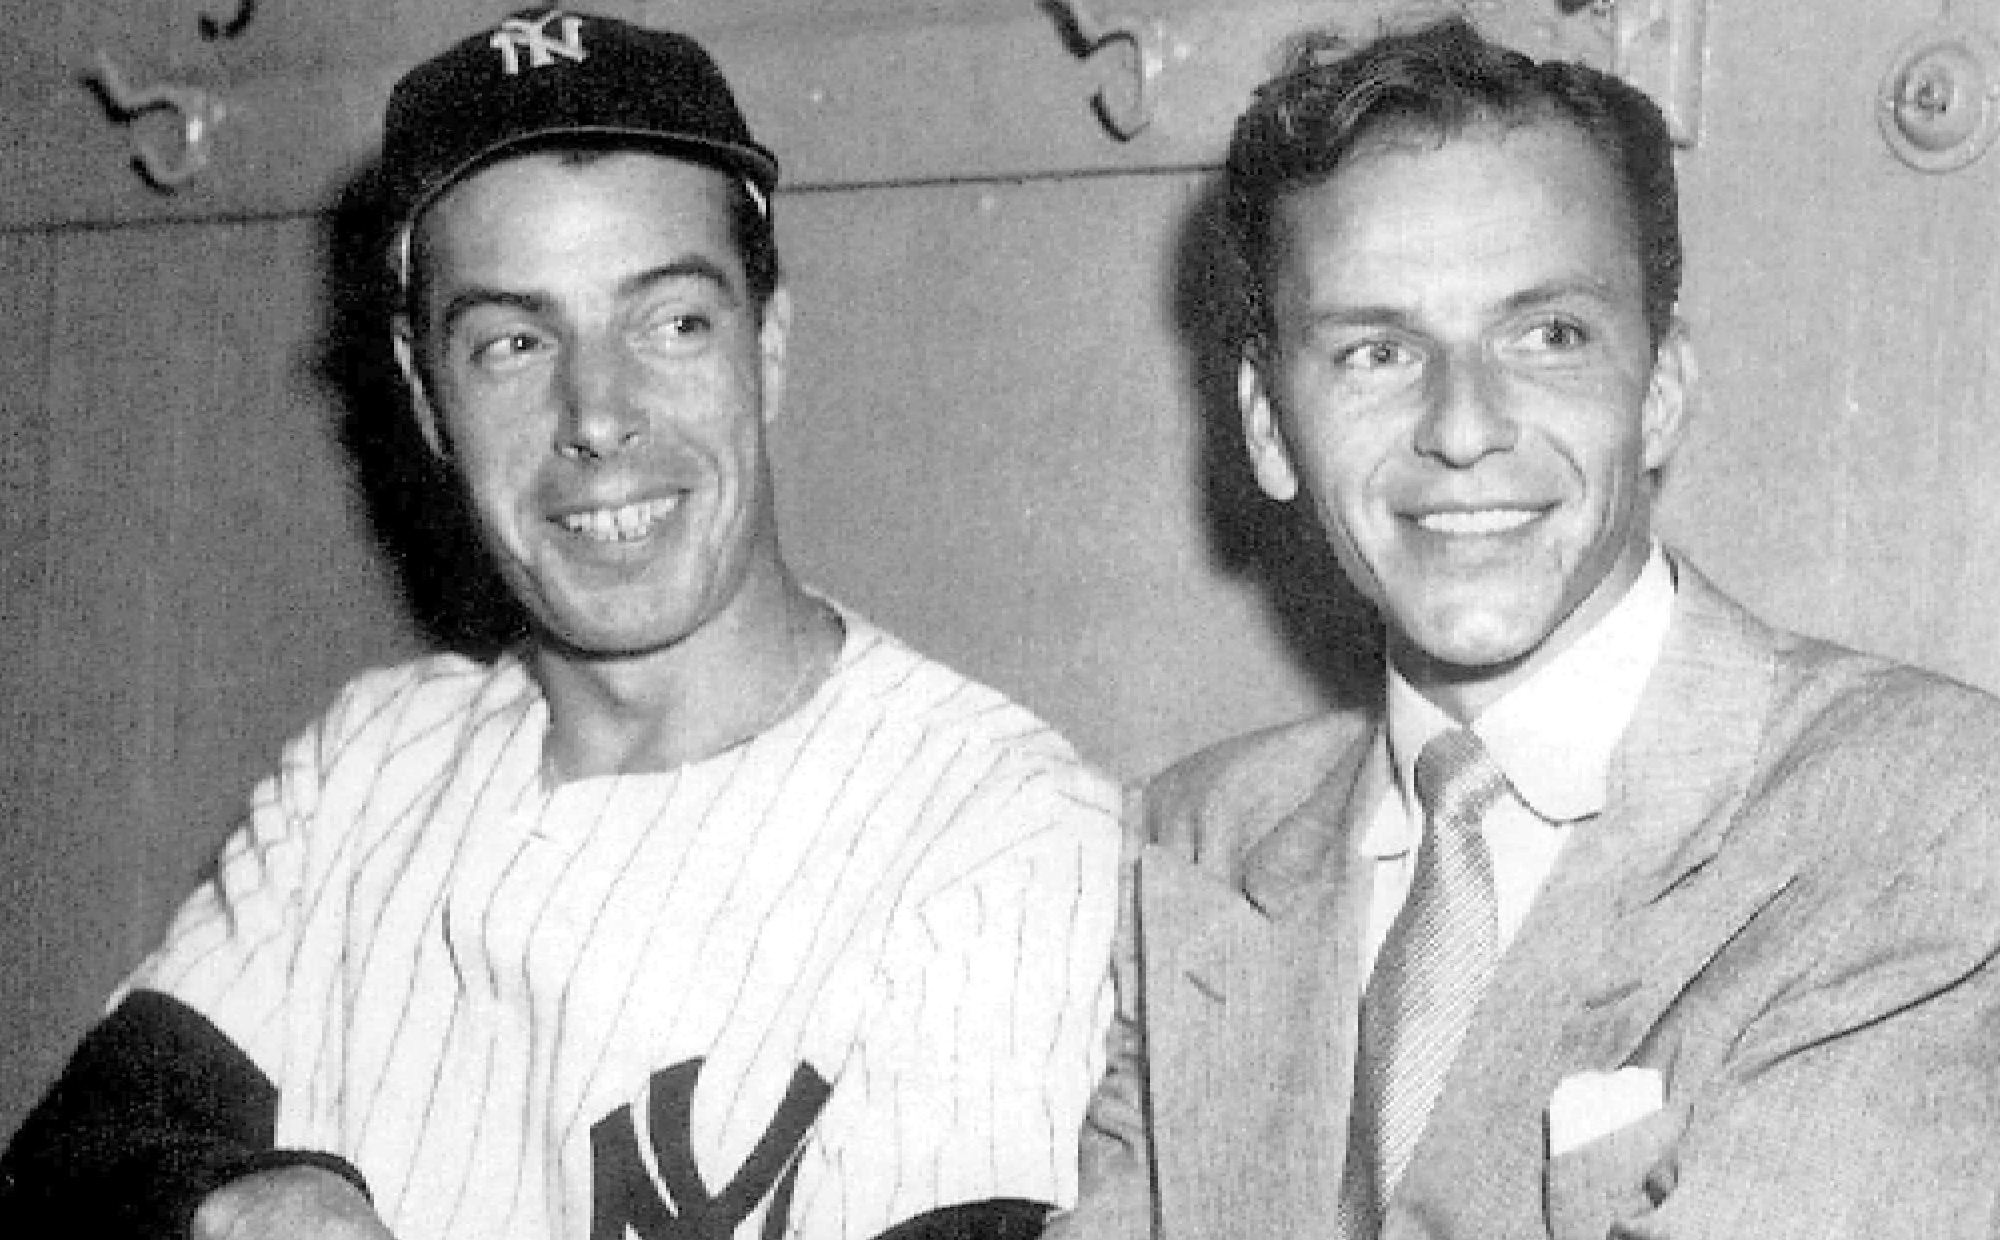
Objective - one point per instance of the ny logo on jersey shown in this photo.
(625, 1198)
(518, 34)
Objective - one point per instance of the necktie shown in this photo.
(1435, 963)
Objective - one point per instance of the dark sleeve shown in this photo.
(157, 1109)
(997, 1218)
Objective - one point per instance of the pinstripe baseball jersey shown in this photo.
(844, 972)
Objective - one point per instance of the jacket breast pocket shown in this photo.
(1621, 1175)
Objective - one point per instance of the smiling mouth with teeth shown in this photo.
(1479, 521)
(628, 523)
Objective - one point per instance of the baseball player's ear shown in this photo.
(405, 345)
(774, 336)
(996, 1218)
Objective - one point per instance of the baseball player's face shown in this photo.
(1463, 383)
(591, 363)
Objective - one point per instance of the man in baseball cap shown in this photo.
(711, 910)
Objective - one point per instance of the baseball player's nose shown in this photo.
(599, 417)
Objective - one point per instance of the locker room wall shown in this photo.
(1009, 436)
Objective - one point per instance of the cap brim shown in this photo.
(755, 165)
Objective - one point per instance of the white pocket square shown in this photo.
(1589, 1105)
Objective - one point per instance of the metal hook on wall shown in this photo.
(199, 113)
(213, 29)
(1658, 46)
(1125, 109)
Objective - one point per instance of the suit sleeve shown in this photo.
(1864, 1102)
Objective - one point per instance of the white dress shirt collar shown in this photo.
(1552, 735)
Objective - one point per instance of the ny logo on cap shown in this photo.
(518, 34)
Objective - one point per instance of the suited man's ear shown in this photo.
(1263, 435)
(1668, 398)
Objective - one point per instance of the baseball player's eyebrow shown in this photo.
(466, 300)
(695, 268)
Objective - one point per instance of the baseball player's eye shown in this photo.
(1375, 355)
(507, 348)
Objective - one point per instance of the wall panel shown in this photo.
(42, 863)
(1002, 439)
(205, 579)
(1842, 305)
(852, 92)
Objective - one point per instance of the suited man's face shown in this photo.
(1461, 380)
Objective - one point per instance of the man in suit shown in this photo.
(1620, 913)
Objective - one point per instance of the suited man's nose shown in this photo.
(1466, 418)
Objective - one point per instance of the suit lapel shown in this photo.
(1250, 1011)
(1677, 786)
(1634, 908)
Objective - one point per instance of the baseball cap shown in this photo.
(546, 72)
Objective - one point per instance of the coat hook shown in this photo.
(211, 29)
(199, 112)
(1128, 110)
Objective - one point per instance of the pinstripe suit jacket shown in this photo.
(1790, 908)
